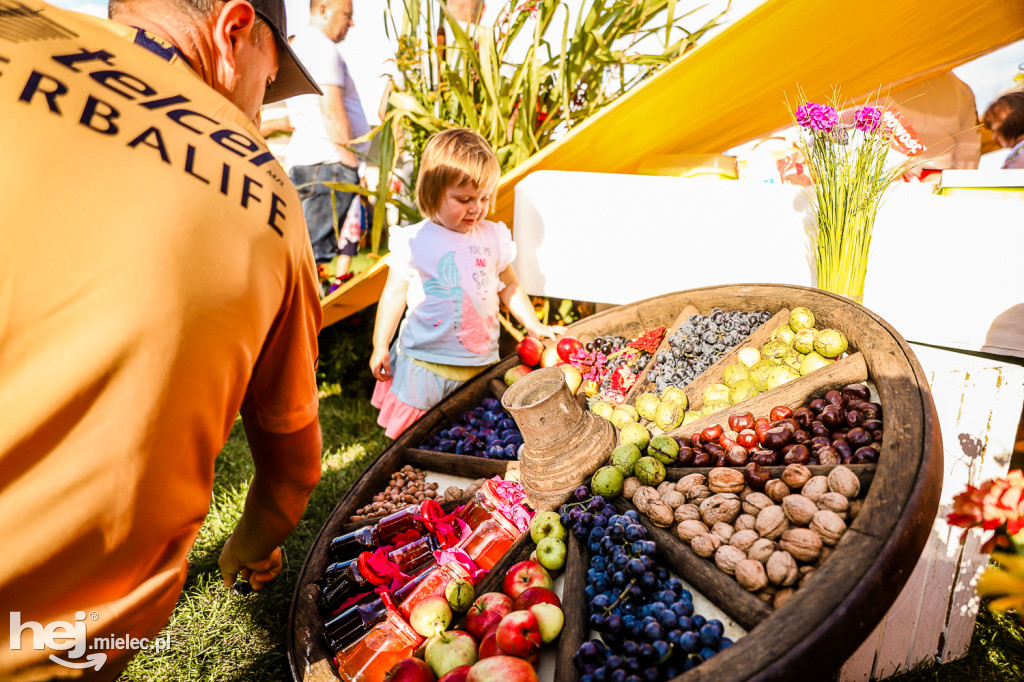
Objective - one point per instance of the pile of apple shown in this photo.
(485, 431)
(502, 635)
(533, 354)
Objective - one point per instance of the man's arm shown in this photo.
(339, 130)
(287, 471)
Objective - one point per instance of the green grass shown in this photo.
(219, 637)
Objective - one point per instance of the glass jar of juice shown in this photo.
(368, 659)
(500, 519)
(433, 584)
(345, 547)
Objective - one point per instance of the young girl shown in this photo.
(449, 271)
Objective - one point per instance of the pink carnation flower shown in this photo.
(816, 116)
(867, 119)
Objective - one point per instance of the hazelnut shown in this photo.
(688, 530)
(452, 492)
(755, 502)
(776, 489)
(842, 480)
(743, 539)
(705, 545)
(751, 575)
(686, 512)
(795, 475)
(745, 522)
(727, 557)
(723, 480)
(684, 484)
(829, 526)
(644, 497)
(803, 543)
(761, 550)
(630, 486)
(782, 596)
(836, 502)
(698, 494)
(721, 507)
(815, 488)
(660, 514)
(771, 522)
(781, 569)
(798, 509)
(723, 530)
(673, 498)
(665, 487)
(805, 575)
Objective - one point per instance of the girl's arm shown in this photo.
(518, 303)
(389, 313)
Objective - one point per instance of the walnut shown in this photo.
(855, 506)
(673, 498)
(745, 522)
(781, 569)
(686, 512)
(765, 597)
(805, 575)
(755, 502)
(665, 487)
(761, 550)
(776, 489)
(630, 486)
(698, 494)
(688, 530)
(721, 507)
(782, 596)
(795, 475)
(747, 490)
(725, 480)
(684, 484)
(771, 522)
(815, 488)
(705, 545)
(743, 539)
(751, 575)
(452, 492)
(798, 509)
(660, 514)
(726, 558)
(723, 530)
(826, 552)
(842, 480)
(829, 526)
(836, 502)
(644, 497)
(803, 543)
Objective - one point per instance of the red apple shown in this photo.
(486, 612)
(449, 650)
(519, 634)
(549, 358)
(523, 575)
(567, 345)
(489, 645)
(516, 373)
(410, 670)
(536, 595)
(459, 674)
(529, 351)
(502, 669)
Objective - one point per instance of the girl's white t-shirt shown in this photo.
(452, 315)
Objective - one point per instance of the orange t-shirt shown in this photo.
(155, 270)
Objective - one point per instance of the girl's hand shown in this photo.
(380, 364)
(543, 331)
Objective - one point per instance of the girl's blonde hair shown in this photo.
(453, 158)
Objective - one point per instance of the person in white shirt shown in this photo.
(320, 150)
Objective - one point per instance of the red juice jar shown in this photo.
(433, 584)
(370, 658)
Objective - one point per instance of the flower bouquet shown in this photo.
(997, 505)
(848, 166)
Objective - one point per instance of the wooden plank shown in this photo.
(461, 465)
(858, 666)
(576, 628)
(901, 625)
(642, 385)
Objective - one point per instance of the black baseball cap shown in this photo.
(292, 77)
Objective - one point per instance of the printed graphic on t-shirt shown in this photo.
(472, 329)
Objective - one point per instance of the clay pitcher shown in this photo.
(563, 445)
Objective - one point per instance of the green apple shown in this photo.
(551, 553)
(546, 525)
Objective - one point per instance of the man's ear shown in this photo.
(235, 22)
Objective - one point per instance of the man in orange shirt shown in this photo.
(155, 279)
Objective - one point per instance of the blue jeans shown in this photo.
(322, 221)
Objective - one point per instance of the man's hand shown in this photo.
(258, 573)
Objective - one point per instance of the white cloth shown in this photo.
(310, 143)
(452, 315)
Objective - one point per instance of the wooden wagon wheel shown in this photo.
(823, 623)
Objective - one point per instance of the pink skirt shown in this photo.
(395, 416)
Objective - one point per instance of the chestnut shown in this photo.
(686, 456)
(865, 455)
(756, 475)
(831, 418)
(801, 436)
(858, 437)
(871, 410)
(788, 423)
(877, 436)
(776, 438)
(803, 416)
(840, 433)
(737, 456)
(696, 441)
(701, 459)
(798, 454)
(766, 458)
(842, 446)
(817, 405)
(816, 442)
(828, 456)
(714, 449)
(834, 397)
(854, 418)
(719, 460)
(819, 429)
(872, 425)
(858, 391)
